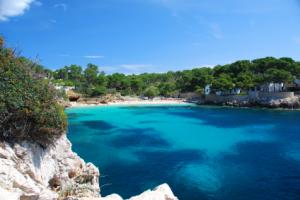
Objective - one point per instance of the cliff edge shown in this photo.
(31, 172)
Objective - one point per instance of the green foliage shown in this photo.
(98, 91)
(245, 80)
(168, 89)
(137, 85)
(91, 73)
(223, 83)
(151, 92)
(278, 76)
(243, 74)
(28, 108)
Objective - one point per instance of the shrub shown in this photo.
(28, 108)
(151, 92)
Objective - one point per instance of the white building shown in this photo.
(272, 87)
(207, 89)
(235, 91)
(65, 88)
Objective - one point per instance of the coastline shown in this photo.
(179, 102)
(211, 105)
(133, 103)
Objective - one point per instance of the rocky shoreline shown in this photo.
(273, 103)
(30, 172)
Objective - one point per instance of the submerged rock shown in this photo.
(31, 172)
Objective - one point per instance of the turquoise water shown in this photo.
(201, 152)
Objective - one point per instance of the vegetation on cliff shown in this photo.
(28, 108)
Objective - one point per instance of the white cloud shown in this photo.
(12, 8)
(61, 5)
(93, 56)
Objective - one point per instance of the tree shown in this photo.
(243, 74)
(223, 83)
(75, 73)
(136, 85)
(263, 64)
(168, 89)
(98, 91)
(62, 73)
(102, 80)
(91, 74)
(278, 76)
(151, 92)
(238, 67)
(245, 81)
(200, 78)
(185, 81)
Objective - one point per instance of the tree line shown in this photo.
(243, 74)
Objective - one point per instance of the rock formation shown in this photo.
(30, 172)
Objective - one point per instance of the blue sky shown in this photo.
(134, 36)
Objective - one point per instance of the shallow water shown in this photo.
(201, 152)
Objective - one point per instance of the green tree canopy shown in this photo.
(223, 83)
(151, 92)
(243, 74)
(278, 76)
(91, 74)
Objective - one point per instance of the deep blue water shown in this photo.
(201, 152)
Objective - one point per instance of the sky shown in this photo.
(135, 36)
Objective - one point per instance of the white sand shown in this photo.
(135, 102)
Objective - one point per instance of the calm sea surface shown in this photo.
(201, 152)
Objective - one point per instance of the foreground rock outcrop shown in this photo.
(30, 172)
(162, 192)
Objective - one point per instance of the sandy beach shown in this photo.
(134, 102)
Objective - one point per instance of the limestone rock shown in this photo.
(30, 172)
(162, 192)
(112, 197)
(27, 171)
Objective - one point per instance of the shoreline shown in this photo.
(174, 101)
(248, 107)
(132, 103)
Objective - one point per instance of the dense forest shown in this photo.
(243, 74)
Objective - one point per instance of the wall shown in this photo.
(221, 99)
(189, 95)
(252, 96)
(275, 95)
